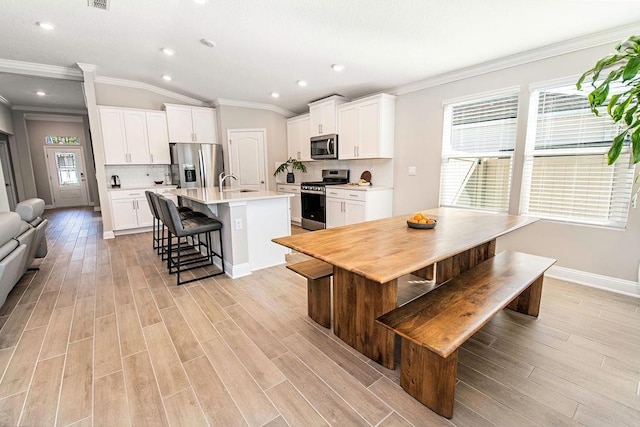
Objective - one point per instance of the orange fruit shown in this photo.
(422, 221)
(418, 216)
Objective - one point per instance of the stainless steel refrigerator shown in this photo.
(196, 165)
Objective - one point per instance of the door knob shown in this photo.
(261, 182)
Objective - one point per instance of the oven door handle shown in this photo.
(330, 147)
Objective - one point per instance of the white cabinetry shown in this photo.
(344, 207)
(295, 201)
(191, 124)
(298, 138)
(366, 128)
(134, 136)
(130, 209)
(323, 116)
(158, 137)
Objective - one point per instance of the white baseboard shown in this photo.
(97, 209)
(108, 235)
(613, 284)
(49, 206)
(239, 270)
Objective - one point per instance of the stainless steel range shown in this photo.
(313, 197)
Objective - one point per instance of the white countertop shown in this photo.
(362, 187)
(141, 187)
(212, 196)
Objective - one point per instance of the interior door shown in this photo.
(65, 166)
(7, 173)
(247, 157)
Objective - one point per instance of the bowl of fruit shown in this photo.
(420, 220)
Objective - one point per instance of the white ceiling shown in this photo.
(267, 45)
(20, 91)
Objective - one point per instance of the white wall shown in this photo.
(418, 142)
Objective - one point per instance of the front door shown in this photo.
(246, 158)
(65, 166)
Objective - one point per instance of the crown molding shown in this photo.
(256, 105)
(5, 101)
(145, 86)
(39, 70)
(49, 110)
(53, 118)
(86, 68)
(556, 49)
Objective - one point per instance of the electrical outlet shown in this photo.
(238, 223)
(412, 170)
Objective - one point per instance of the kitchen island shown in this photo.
(250, 220)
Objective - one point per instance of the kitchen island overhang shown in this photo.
(251, 219)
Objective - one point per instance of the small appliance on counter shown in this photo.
(115, 181)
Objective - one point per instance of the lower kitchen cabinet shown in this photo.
(344, 207)
(295, 201)
(130, 209)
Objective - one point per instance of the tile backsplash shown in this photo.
(381, 170)
(137, 175)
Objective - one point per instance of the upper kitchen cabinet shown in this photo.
(133, 136)
(191, 124)
(298, 138)
(158, 137)
(324, 115)
(366, 128)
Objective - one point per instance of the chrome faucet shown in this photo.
(222, 177)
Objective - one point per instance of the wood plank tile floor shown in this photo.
(101, 335)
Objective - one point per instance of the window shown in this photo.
(566, 176)
(67, 169)
(64, 140)
(477, 155)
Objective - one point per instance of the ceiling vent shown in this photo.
(99, 4)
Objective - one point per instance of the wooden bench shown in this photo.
(318, 274)
(434, 325)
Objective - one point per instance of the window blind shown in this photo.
(566, 176)
(477, 155)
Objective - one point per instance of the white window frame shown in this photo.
(617, 197)
(477, 157)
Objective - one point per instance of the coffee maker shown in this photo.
(115, 181)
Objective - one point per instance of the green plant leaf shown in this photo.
(628, 118)
(613, 102)
(618, 112)
(631, 69)
(635, 145)
(616, 148)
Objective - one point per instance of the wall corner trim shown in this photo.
(612, 284)
(40, 70)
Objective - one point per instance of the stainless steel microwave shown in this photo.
(324, 147)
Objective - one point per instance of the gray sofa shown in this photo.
(22, 239)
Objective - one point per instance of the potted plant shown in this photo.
(290, 165)
(623, 107)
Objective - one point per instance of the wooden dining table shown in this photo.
(369, 257)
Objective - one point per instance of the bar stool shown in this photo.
(197, 255)
(159, 239)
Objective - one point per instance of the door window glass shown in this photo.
(67, 169)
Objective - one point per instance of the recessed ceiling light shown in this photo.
(167, 51)
(46, 25)
(41, 93)
(275, 95)
(337, 67)
(207, 42)
(166, 77)
(302, 83)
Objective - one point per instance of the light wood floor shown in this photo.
(101, 336)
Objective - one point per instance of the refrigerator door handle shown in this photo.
(202, 168)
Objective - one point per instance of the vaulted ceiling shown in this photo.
(264, 46)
